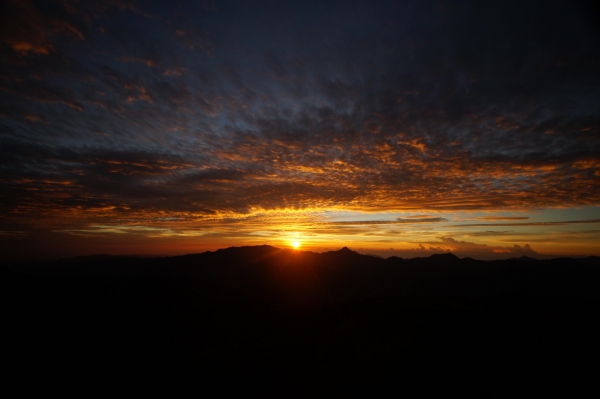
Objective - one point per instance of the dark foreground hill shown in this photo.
(290, 323)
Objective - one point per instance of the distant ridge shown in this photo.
(345, 252)
(292, 312)
(271, 249)
(527, 259)
(294, 278)
(446, 256)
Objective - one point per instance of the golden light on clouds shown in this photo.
(302, 145)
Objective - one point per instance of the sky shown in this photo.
(399, 128)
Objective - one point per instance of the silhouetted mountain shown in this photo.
(526, 259)
(592, 260)
(263, 319)
(447, 257)
(286, 278)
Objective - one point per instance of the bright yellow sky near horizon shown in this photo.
(481, 235)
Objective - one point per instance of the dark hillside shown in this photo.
(293, 323)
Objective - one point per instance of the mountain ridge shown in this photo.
(244, 313)
(291, 278)
(343, 250)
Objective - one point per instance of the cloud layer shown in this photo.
(140, 111)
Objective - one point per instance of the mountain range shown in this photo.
(292, 323)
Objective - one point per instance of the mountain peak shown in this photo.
(344, 253)
(447, 255)
(346, 250)
(526, 259)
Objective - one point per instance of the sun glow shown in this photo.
(295, 244)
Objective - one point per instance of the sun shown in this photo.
(295, 244)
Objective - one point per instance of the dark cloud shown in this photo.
(224, 108)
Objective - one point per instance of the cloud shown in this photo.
(478, 251)
(124, 5)
(24, 30)
(30, 30)
(503, 218)
(556, 223)
(421, 220)
(377, 222)
(119, 229)
(13, 233)
(148, 111)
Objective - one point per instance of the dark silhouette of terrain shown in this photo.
(292, 323)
